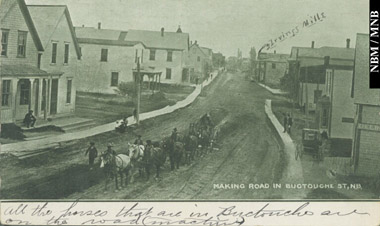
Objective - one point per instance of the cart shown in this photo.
(311, 141)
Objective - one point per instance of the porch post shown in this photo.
(49, 95)
(39, 96)
(14, 98)
(31, 94)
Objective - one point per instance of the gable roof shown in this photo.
(153, 39)
(47, 17)
(90, 35)
(206, 50)
(333, 52)
(195, 45)
(7, 5)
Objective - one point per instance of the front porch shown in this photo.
(27, 88)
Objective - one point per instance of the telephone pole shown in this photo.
(138, 92)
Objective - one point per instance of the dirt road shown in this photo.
(249, 154)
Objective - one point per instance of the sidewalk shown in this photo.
(273, 91)
(293, 173)
(53, 141)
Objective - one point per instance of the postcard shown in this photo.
(202, 112)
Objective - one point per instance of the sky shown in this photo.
(226, 25)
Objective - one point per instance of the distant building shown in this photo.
(38, 60)
(303, 56)
(109, 56)
(199, 60)
(271, 67)
(365, 148)
(335, 106)
(107, 59)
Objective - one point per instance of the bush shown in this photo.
(126, 89)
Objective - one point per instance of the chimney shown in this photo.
(82, 25)
(327, 60)
(312, 44)
(99, 25)
(348, 43)
(195, 42)
(162, 32)
(274, 52)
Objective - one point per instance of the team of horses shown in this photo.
(143, 159)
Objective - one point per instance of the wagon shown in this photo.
(311, 141)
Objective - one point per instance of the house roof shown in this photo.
(90, 35)
(7, 5)
(333, 52)
(273, 57)
(153, 39)
(23, 70)
(46, 19)
(195, 45)
(207, 51)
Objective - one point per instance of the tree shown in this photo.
(288, 83)
(126, 89)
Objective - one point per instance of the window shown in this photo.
(170, 56)
(68, 93)
(54, 53)
(198, 58)
(114, 78)
(324, 118)
(152, 54)
(24, 92)
(21, 43)
(6, 92)
(273, 66)
(4, 42)
(317, 95)
(66, 57)
(168, 73)
(104, 55)
(39, 60)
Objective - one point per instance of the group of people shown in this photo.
(109, 154)
(288, 123)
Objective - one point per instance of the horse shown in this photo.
(136, 154)
(154, 156)
(204, 141)
(191, 147)
(114, 166)
(175, 150)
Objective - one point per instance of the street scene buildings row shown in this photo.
(332, 83)
(45, 59)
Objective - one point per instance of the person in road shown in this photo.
(174, 135)
(122, 125)
(139, 141)
(29, 119)
(135, 114)
(285, 122)
(290, 123)
(92, 154)
(109, 157)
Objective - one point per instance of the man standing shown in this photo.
(109, 157)
(29, 119)
(174, 135)
(290, 123)
(285, 122)
(139, 141)
(92, 154)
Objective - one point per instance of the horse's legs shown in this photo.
(147, 169)
(121, 179)
(116, 182)
(126, 177)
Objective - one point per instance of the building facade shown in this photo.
(310, 56)
(271, 67)
(28, 81)
(366, 132)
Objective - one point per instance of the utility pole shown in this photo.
(307, 98)
(138, 92)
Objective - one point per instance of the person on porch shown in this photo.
(29, 119)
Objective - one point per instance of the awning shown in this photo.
(24, 70)
(150, 71)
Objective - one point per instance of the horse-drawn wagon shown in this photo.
(311, 143)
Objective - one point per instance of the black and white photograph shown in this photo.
(189, 100)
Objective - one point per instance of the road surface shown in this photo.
(249, 156)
